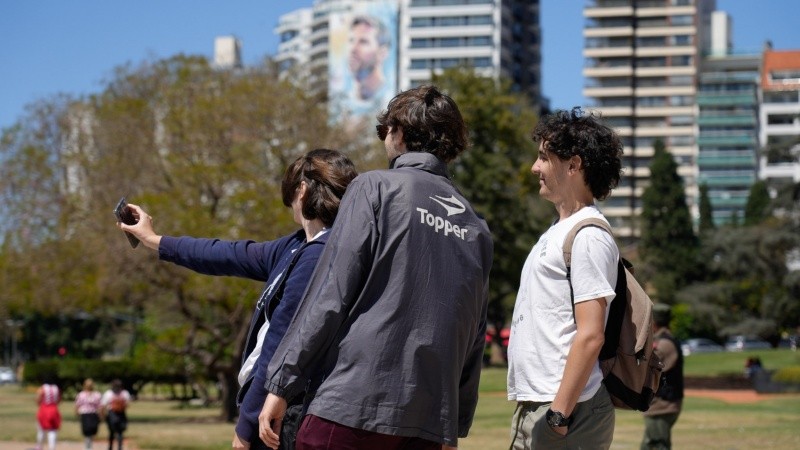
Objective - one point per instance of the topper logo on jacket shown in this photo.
(452, 206)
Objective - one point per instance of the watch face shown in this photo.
(555, 418)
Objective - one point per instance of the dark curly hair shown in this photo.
(327, 174)
(430, 120)
(573, 133)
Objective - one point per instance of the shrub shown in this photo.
(788, 375)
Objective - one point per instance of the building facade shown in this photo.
(495, 37)
(779, 163)
(728, 124)
(227, 52)
(641, 70)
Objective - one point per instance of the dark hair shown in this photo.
(327, 174)
(430, 120)
(116, 385)
(573, 133)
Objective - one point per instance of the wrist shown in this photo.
(557, 419)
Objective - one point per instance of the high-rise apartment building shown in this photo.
(227, 52)
(642, 64)
(780, 119)
(728, 124)
(495, 37)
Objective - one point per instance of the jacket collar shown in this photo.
(420, 160)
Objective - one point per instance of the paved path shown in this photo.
(735, 395)
(63, 445)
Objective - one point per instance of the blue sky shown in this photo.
(58, 46)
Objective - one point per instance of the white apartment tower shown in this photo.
(780, 119)
(496, 37)
(642, 64)
(227, 52)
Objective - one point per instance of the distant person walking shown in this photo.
(48, 416)
(115, 404)
(667, 404)
(87, 407)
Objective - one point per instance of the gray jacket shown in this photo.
(391, 329)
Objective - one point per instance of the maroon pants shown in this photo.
(317, 433)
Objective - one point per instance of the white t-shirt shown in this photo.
(543, 326)
(116, 401)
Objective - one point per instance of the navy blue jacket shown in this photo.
(263, 261)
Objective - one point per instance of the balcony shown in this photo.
(741, 180)
(706, 99)
(746, 120)
(744, 140)
(725, 161)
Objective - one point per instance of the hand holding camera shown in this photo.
(137, 225)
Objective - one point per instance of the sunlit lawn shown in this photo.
(705, 423)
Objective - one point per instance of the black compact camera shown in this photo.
(124, 215)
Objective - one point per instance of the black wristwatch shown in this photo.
(557, 419)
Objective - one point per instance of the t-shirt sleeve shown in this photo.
(594, 265)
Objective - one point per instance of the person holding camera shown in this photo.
(312, 187)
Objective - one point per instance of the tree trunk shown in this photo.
(229, 388)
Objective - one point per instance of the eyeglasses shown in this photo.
(383, 131)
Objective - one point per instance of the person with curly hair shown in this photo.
(390, 334)
(553, 370)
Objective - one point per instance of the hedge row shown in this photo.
(70, 373)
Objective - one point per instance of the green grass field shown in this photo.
(708, 424)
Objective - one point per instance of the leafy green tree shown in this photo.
(494, 174)
(706, 215)
(735, 219)
(668, 244)
(748, 288)
(757, 208)
(203, 150)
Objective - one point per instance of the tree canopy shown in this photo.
(668, 245)
(494, 174)
(203, 151)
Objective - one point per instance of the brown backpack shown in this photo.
(631, 369)
(117, 403)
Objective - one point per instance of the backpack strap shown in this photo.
(567, 248)
(277, 294)
(570, 238)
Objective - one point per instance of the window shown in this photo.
(682, 120)
(677, 141)
(681, 80)
(450, 21)
(682, 20)
(780, 97)
(781, 119)
(682, 60)
(682, 39)
(657, 41)
(785, 76)
(288, 35)
(681, 100)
